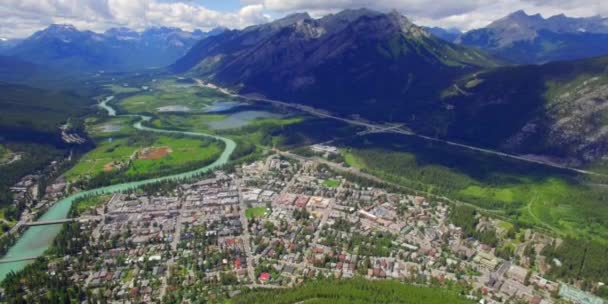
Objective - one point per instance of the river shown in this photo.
(36, 240)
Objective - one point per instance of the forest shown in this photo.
(34, 157)
(525, 193)
(466, 218)
(357, 291)
(54, 287)
(580, 260)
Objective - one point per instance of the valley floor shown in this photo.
(372, 200)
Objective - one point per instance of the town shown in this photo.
(277, 222)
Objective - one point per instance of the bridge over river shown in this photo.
(39, 235)
(50, 222)
(20, 259)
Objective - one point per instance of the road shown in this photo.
(399, 130)
(171, 262)
(246, 236)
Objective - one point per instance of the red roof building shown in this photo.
(264, 277)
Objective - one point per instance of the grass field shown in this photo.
(119, 89)
(528, 194)
(257, 212)
(331, 183)
(192, 122)
(122, 155)
(253, 138)
(357, 291)
(104, 128)
(166, 93)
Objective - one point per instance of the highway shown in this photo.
(399, 129)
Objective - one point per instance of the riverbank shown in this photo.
(36, 240)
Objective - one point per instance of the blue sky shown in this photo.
(19, 18)
(222, 5)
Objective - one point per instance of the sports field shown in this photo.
(143, 155)
(255, 212)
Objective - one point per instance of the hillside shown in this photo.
(32, 114)
(558, 109)
(356, 61)
(526, 39)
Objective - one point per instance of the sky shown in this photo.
(20, 18)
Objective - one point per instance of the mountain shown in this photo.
(117, 49)
(15, 70)
(356, 61)
(558, 109)
(382, 67)
(523, 38)
(449, 35)
(6, 44)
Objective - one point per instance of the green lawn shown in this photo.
(331, 183)
(120, 153)
(258, 212)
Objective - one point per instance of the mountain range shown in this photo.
(382, 67)
(525, 39)
(450, 34)
(117, 49)
(356, 61)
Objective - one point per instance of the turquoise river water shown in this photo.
(36, 240)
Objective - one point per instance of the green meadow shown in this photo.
(331, 183)
(102, 128)
(121, 89)
(124, 155)
(168, 93)
(530, 195)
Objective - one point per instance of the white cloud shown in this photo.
(463, 14)
(19, 18)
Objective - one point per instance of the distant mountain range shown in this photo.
(450, 34)
(523, 38)
(117, 49)
(356, 61)
(6, 44)
(382, 67)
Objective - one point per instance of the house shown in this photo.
(517, 273)
(264, 277)
(486, 260)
